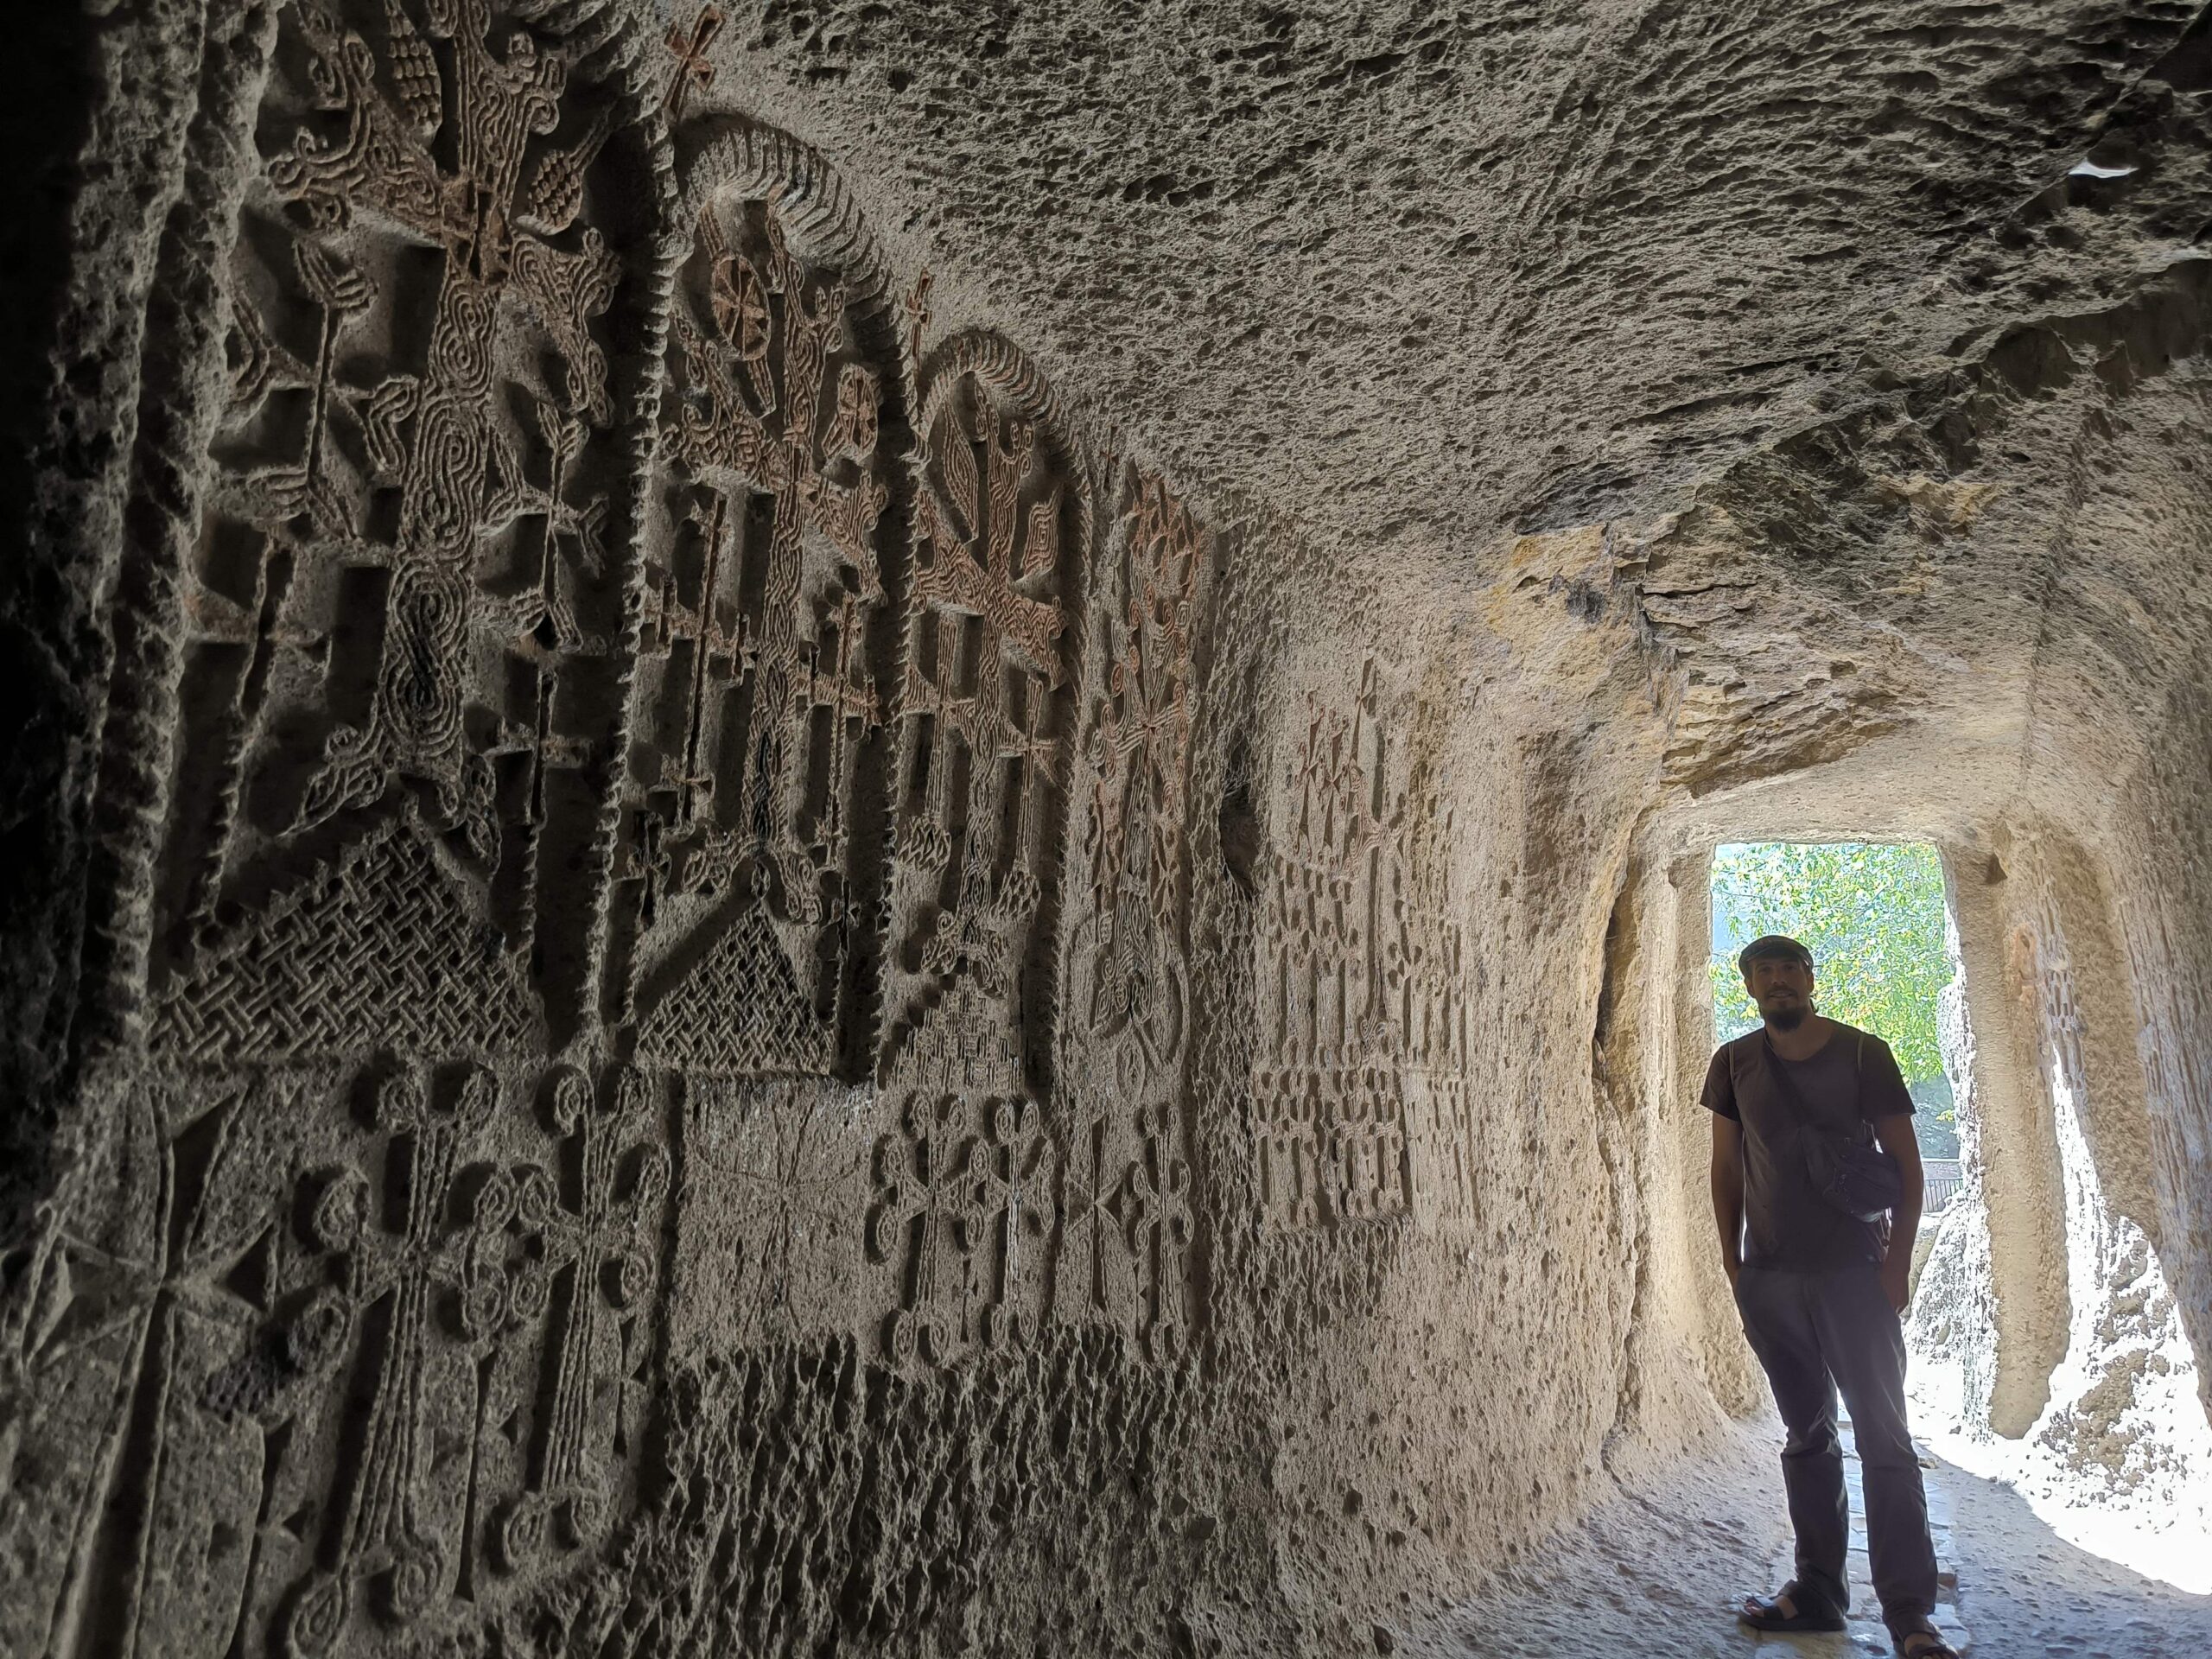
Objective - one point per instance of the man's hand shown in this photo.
(1896, 1278)
(1897, 1138)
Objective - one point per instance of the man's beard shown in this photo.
(1789, 1017)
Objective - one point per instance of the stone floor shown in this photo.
(1656, 1573)
(1867, 1633)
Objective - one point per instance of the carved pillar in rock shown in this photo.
(2020, 1177)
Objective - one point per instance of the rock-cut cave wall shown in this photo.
(701, 960)
(712, 983)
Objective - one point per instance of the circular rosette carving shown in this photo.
(492, 1204)
(519, 1534)
(535, 1198)
(410, 1584)
(484, 1305)
(1008, 1120)
(337, 1211)
(530, 1289)
(886, 1225)
(739, 302)
(569, 1101)
(902, 1337)
(317, 1618)
(315, 1336)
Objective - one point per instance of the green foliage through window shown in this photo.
(1872, 916)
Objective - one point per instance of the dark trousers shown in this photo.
(1815, 1333)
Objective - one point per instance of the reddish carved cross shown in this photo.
(693, 71)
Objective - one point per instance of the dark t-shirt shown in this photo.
(1853, 1078)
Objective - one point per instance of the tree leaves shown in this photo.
(1873, 915)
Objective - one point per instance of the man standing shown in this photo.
(1821, 1298)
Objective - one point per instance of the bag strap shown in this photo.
(1860, 1128)
(1778, 1069)
(1861, 1132)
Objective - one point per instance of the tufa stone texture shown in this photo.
(884, 829)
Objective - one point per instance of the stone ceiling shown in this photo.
(1833, 314)
(1416, 274)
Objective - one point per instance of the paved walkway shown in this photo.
(1867, 1632)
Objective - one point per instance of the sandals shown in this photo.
(1939, 1649)
(1814, 1613)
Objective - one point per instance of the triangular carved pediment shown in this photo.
(381, 949)
(735, 1009)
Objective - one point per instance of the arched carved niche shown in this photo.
(750, 826)
(961, 1219)
(401, 676)
(1002, 538)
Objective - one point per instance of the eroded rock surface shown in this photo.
(882, 829)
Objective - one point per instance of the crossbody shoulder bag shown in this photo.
(1849, 1171)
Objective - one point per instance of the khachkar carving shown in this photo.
(1363, 1020)
(1127, 1229)
(757, 709)
(1138, 752)
(367, 1367)
(403, 599)
(129, 1292)
(1426, 974)
(961, 1212)
(1000, 522)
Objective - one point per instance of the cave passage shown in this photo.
(891, 829)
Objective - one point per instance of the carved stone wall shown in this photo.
(346, 1306)
(727, 947)
(1361, 1072)
(665, 848)
(746, 840)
